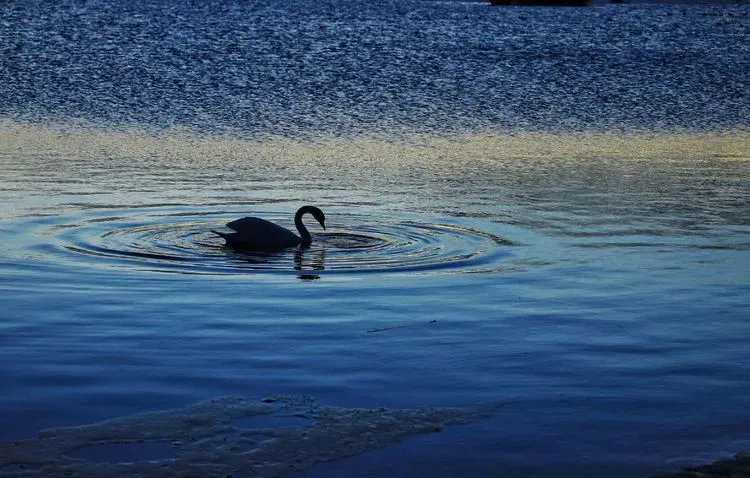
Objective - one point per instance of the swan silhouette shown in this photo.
(254, 233)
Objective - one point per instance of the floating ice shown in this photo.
(222, 437)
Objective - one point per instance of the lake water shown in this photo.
(543, 210)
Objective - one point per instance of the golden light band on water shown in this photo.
(80, 142)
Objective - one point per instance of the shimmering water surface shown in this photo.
(538, 208)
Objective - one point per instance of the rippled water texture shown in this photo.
(594, 283)
(292, 68)
(541, 210)
(161, 239)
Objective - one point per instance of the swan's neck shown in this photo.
(304, 234)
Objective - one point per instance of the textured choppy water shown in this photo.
(306, 67)
(542, 209)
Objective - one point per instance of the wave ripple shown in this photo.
(163, 241)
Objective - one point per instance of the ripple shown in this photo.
(164, 240)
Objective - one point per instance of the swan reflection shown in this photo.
(309, 259)
(305, 260)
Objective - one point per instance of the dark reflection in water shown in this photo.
(304, 260)
(312, 258)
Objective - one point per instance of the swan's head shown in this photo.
(319, 216)
(316, 213)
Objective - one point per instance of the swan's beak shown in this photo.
(324, 226)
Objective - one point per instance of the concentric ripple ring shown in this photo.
(162, 240)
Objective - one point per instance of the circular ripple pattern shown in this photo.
(164, 241)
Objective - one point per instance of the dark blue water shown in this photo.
(538, 208)
(306, 67)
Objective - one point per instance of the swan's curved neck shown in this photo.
(304, 234)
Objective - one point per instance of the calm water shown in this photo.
(544, 208)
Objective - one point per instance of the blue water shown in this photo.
(307, 67)
(539, 207)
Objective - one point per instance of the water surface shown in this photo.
(542, 210)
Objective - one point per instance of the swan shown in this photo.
(254, 233)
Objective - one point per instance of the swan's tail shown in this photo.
(222, 234)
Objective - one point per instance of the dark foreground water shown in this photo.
(541, 213)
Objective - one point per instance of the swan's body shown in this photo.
(254, 233)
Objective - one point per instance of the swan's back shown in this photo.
(254, 232)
